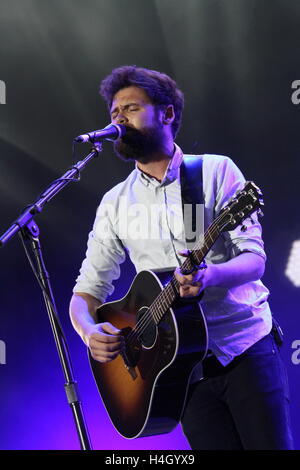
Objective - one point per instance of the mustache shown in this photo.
(130, 133)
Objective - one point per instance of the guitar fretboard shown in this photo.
(171, 291)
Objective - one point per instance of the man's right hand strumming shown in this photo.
(103, 339)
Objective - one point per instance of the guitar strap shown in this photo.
(191, 182)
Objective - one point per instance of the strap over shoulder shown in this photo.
(191, 181)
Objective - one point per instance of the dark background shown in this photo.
(235, 60)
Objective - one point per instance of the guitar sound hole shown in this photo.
(148, 328)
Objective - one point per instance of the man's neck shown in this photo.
(157, 166)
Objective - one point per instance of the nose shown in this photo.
(121, 119)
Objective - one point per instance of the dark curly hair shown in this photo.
(160, 88)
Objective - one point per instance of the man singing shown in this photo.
(242, 400)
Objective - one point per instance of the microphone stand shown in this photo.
(29, 231)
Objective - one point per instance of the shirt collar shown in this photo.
(171, 173)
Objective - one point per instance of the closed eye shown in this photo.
(131, 107)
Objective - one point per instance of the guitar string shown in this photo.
(153, 311)
(156, 310)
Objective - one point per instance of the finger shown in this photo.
(189, 291)
(109, 333)
(196, 284)
(185, 281)
(196, 275)
(103, 357)
(109, 328)
(185, 253)
(185, 291)
(105, 354)
(105, 338)
(103, 346)
(181, 278)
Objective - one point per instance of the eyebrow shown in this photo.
(125, 107)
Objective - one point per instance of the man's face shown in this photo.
(145, 135)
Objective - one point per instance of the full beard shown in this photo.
(139, 145)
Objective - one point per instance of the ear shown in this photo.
(168, 114)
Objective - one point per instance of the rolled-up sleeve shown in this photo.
(229, 180)
(104, 255)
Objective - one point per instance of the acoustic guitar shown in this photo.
(144, 389)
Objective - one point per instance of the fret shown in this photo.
(167, 296)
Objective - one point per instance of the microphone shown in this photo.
(110, 132)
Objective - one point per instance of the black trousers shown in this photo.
(244, 405)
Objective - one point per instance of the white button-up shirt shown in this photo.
(144, 217)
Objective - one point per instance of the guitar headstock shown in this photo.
(242, 205)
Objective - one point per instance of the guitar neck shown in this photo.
(171, 291)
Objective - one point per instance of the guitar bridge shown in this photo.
(131, 370)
